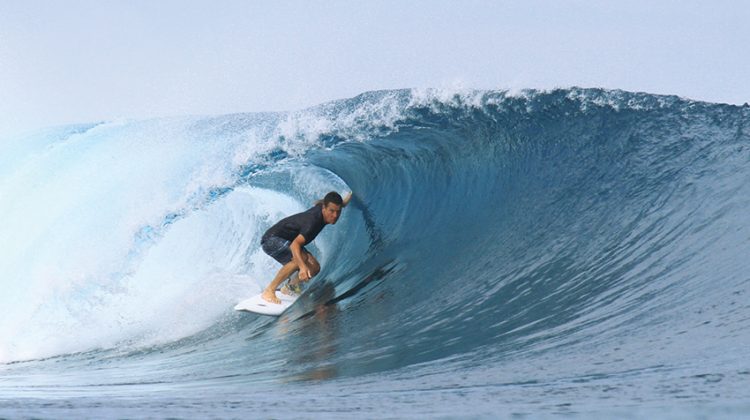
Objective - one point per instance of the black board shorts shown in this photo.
(278, 249)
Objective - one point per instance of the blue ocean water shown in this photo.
(506, 254)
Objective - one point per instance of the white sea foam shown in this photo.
(84, 218)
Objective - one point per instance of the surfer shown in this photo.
(285, 242)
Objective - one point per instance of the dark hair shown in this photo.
(333, 197)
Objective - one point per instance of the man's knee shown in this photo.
(313, 264)
(314, 268)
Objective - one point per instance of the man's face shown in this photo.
(331, 213)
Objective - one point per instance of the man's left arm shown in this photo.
(347, 199)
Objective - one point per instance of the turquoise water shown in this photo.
(575, 251)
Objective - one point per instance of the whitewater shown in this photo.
(582, 252)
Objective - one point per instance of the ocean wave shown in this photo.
(516, 228)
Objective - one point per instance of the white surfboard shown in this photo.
(261, 306)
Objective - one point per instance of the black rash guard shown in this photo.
(309, 223)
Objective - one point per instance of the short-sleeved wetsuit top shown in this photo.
(309, 223)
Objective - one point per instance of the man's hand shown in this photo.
(304, 273)
(347, 199)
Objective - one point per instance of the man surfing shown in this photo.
(285, 242)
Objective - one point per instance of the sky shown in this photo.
(77, 61)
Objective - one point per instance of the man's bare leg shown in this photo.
(269, 294)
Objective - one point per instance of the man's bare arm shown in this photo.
(296, 248)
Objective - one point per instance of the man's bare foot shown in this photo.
(270, 296)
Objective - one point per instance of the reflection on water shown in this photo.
(318, 331)
(316, 338)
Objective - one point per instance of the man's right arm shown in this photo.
(296, 248)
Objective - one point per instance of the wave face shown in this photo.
(569, 251)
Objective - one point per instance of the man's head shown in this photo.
(332, 204)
